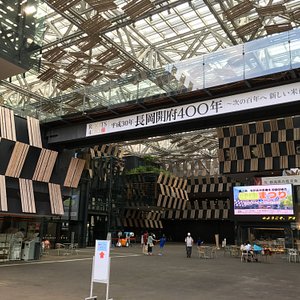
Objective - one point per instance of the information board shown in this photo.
(101, 265)
(263, 200)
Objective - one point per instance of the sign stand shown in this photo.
(107, 284)
(100, 267)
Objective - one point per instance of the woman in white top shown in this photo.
(150, 243)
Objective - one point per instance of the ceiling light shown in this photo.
(29, 10)
(29, 41)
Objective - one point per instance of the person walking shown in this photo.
(189, 245)
(150, 243)
(162, 243)
(145, 243)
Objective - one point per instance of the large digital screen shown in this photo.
(259, 200)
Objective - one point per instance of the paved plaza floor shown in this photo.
(136, 276)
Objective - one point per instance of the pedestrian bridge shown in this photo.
(255, 59)
(256, 65)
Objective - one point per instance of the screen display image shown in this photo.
(261, 200)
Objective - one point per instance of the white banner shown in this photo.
(295, 180)
(102, 261)
(230, 104)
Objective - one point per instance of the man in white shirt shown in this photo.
(189, 245)
(248, 247)
(247, 251)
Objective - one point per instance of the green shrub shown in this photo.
(147, 169)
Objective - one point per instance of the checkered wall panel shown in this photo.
(260, 146)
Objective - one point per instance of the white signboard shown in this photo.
(213, 107)
(295, 180)
(101, 265)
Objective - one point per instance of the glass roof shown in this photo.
(183, 154)
(97, 44)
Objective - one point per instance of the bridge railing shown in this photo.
(261, 57)
(269, 55)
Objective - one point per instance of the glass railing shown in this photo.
(269, 55)
(276, 53)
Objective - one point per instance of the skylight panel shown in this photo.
(147, 31)
(168, 31)
(155, 37)
(181, 27)
(189, 15)
(175, 20)
(182, 30)
(196, 24)
(156, 17)
(209, 20)
(183, 7)
(162, 26)
(141, 23)
(204, 10)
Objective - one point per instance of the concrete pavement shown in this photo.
(136, 276)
